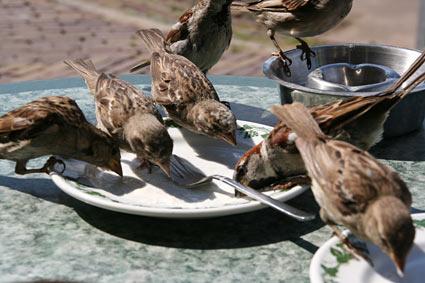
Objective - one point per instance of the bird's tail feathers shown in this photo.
(254, 6)
(298, 118)
(153, 39)
(398, 85)
(406, 90)
(87, 70)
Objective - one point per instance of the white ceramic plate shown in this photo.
(332, 263)
(155, 195)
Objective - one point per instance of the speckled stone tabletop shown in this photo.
(47, 235)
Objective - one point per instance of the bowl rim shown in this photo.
(271, 75)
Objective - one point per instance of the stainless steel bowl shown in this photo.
(351, 78)
(405, 117)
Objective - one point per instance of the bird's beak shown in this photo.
(165, 166)
(229, 137)
(115, 165)
(399, 263)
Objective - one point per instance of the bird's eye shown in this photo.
(114, 151)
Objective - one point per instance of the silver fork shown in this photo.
(185, 174)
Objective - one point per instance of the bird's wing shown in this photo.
(177, 81)
(349, 177)
(294, 4)
(276, 5)
(116, 100)
(336, 114)
(331, 116)
(32, 118)
(180, 30)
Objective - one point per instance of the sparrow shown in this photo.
(185, 93)
(276, 161)
(128, 116)
(202, 34)
(54, 125)
(353, 188)
(296, 18)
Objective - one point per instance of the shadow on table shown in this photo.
(237, 231)
(256, 228)
(409, 147)
(45, 189)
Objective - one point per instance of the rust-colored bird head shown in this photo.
(270, 161)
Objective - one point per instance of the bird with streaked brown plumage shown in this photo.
(54, 125)
(360, 121)
(353, 188)
(201, 34)
(128, 115)
(185, 93)
(296, 18)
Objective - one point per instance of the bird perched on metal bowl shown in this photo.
(296, 18)
(185, 93)
(202, 34)
(276, 161)
(54, 125)
(353, 188)
(128, 116)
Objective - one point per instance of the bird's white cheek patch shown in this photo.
(268, 169)
(291, 138)
(176, 26)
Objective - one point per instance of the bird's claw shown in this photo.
(357, 250)
(284, 184)
(52, 161)
(290, 182)
(286, 70)
(145, 164)
(306, 54)
(285, 61)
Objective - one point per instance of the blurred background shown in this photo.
(37, 35)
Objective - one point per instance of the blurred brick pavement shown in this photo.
(36, 36)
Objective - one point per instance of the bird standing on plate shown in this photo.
(352, 188)
(185, 93)
(276, 161)
(54, 125)
(297, 18)
(202, 34)
(128, 115)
